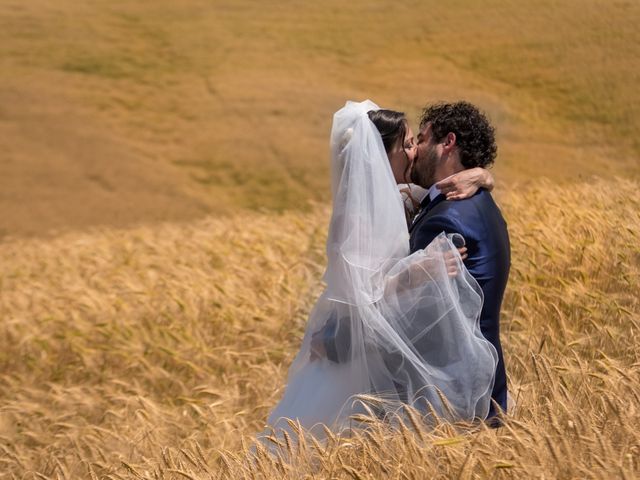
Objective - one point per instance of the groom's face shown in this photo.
(427, 159)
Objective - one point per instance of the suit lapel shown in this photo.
(425, 209)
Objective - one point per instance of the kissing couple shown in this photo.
(410, 313)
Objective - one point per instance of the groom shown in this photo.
(454, 137)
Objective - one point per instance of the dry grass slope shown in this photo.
(116, 113)
(156, 352)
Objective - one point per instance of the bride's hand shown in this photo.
(466, 183)
(452, 263)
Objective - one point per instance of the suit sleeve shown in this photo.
(429, 229)
(335, 335)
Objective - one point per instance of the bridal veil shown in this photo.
(391, 325)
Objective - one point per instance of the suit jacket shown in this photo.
(479, 221)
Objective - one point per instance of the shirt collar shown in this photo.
(430, 196)
(433, 192)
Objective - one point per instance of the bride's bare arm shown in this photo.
(465, 183)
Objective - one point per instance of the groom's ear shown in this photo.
(449, 142)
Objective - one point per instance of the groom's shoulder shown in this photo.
(476, 204)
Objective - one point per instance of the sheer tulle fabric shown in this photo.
(392, 325)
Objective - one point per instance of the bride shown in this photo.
(396, 327)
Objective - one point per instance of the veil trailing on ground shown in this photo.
(391, 325)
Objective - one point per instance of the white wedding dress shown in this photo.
(391, 325)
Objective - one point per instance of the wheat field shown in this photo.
(156, 352)
(164, 199)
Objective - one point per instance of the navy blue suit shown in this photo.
(479, 221)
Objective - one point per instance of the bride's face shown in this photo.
(401, 157)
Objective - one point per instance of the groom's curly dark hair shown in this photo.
(475, 137)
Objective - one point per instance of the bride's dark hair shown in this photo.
(392, 126)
